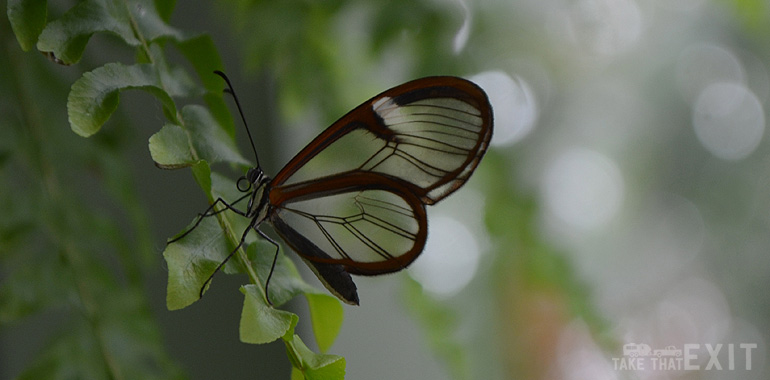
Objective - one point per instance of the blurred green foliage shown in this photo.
(75, 243)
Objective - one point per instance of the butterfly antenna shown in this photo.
(240, 111)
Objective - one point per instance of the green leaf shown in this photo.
(220, 112)
(326, 311)
(191, 261)
(170, 148)
(296, 374)
(202, 53)
(202, 174)
(174, 79)
(150, 23)
(260, 322)
(327, 314)
(211, 142)
(314, 366)
(165, 8)
(285, 282)
(94, 97)
(28, 18)
(66, 37)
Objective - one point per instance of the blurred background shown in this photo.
(624, 199)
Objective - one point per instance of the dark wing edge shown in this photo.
(332, 276)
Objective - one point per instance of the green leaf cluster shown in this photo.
(192, 259)
(51, 267)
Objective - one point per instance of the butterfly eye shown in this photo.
(244, 184)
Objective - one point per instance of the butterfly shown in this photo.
(353, 200)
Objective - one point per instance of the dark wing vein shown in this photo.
(374, 202)
(368, 242)
(435, 149)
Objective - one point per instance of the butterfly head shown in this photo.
(254, 181)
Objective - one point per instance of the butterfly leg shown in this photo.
(272, 267)
(240, 244)
(211, 212)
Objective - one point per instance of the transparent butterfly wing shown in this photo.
(369, 223)
(359, 223)
(430, 133)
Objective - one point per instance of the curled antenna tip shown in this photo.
(231, 91)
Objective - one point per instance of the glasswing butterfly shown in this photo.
(353, 200)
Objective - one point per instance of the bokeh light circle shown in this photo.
(449, 260)
(583, 188)
(729, 120)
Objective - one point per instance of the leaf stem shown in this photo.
(137, 33)
(241, 254)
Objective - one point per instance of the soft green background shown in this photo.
(635, 210)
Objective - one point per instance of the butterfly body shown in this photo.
(258, 206)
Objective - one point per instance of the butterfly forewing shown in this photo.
(429, 133)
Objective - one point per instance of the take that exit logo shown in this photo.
(689, 357)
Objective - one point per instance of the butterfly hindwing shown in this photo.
(360, 223)
(367, 222)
